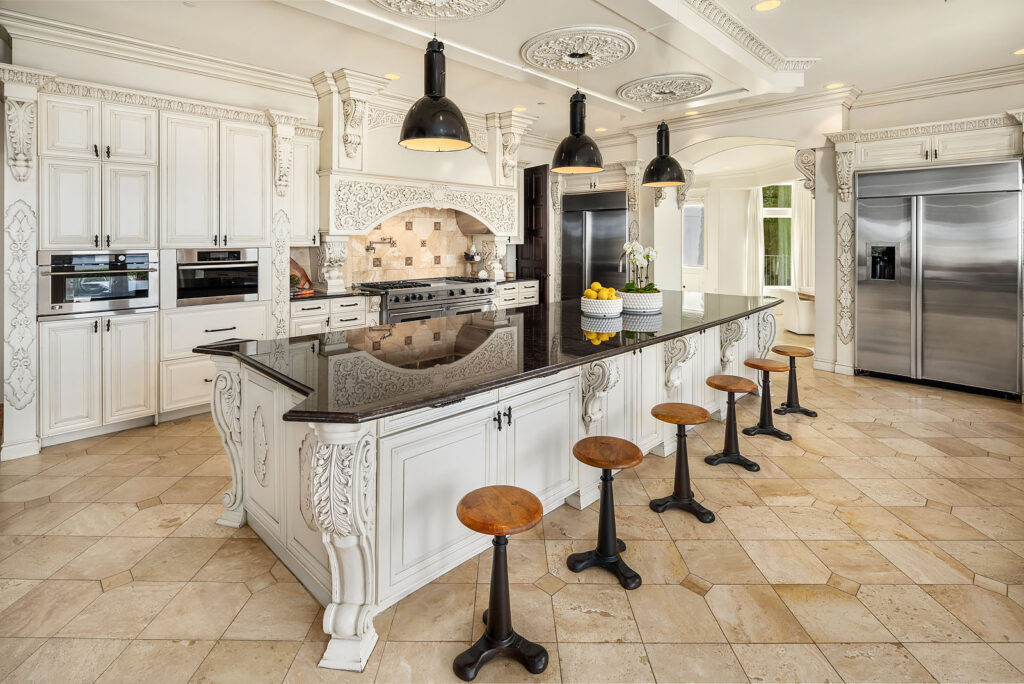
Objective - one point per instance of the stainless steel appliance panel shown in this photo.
(608, 231)
(969, 289)
(1001, 177)
(76, 282)
(885, 286)
(574, 257)
(217, 276)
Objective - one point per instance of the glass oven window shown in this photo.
(213, 280)
(96, 278)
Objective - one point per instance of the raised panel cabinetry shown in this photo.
(70, 207)
(129, 134)
(189, 214)
(129, 206)
(129, 367)
(304, 190)
(940, 148)
(69, 127)
(645, 389)
(245, 177)
(904, 151)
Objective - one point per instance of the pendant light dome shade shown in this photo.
(434, 123)
(578, 152)
(663, 171)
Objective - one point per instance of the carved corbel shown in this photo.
(598, 378)
(283, 127)
(682, 190)
(332, 252)
(766, 328)
(342, 483)
(492, 250)
(350, 96)
(677, 352)
(805, 162)
(354, 112)
(226, 402)
(731, 333)
(634, 174)
(20, 118)
(845, 142)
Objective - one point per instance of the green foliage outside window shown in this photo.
(777, 196)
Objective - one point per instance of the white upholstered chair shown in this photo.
(797, 314)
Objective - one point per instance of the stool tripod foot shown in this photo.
(735, 459)
(773, 431)
(534, 657)
(628, 578)
(786, 408)
(689, 505)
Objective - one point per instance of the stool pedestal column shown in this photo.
(792, 403)
(606, 555)
(731, 450)
(765, 425)
(682, 493)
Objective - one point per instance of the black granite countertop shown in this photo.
(368, 373)
(351, 292)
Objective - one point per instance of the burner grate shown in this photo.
(392, 284)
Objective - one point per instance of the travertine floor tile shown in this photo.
(991, 616)
(785, 663)
(965, 663)
(924, 562)
(47, 607)
(987, 558)
(694, 663)
(786, 562)
(123, 612)
(155, 521)
(247, 662)
(754, 614)
(14, 651)
(527, 561)
(175, 559)
(96, 519)
(584, 663)
(875, 523)
(156, 661)
(282, 611)
(532, 613)
(993, 521)
(35, 487)
(875, 663)
(68, 661)
(858, 561)
(814, 523)
(831, 615)
(238, 560)
(200, 610)
(889, 492)
(754, 522)
(39, 519)
(932, 523)
(670, 613)
(107, 557)
(912, 615)
(593, 613)
(657, 562)
(720, 561)
(43, 557)
(437, 612)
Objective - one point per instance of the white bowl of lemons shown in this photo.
(601, 301)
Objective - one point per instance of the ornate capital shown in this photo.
(598, 377)
(283, 127)
(729, 334)
(805, 163)
(354, 112)
(20, 124)
(844, 174)
(845, 265)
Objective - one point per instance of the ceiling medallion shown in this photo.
(578, 48)
(440, 9)
(665, 89)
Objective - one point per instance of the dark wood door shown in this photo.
(532, 255)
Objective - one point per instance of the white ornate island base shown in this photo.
(363, 514)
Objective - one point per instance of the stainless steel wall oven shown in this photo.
(74, 282)
(216, 276)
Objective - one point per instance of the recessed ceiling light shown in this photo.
(392, 77)
(833, 86)
(767, 5)
(600, 130)
(519, 109)
(1019, 52)
(691, 113)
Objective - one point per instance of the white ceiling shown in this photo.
(869, 44)
(744, 159)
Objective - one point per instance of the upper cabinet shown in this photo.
(70, 207)
(303, 214)
(188, 181)
(69, 127)
(940, 148)
(245, 185)
(129, 134)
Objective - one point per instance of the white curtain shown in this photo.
(803, 238)
(754, 277)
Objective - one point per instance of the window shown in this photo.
(777, 210)
(693, 236)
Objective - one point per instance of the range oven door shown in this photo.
(418, 314)
(95, 282)
(217, 276)
(472, 307)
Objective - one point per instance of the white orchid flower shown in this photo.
(651, 254)
(628, 247)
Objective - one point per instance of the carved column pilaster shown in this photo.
(597, 378)
(342, 485)
(555, 235)
(283, 128)
(332, 252)
(226, 407)
(493, 249)
(344, 98)
(20, 242)
(846, 262)
(511, 126)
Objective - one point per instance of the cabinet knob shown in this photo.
(108, 151)
(96, 150)
(96, 240)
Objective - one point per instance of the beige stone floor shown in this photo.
(884, 543)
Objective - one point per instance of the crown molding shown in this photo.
(946, 85)
(974, 123)
(47, 31)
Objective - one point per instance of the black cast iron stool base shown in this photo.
(499, 639)
(606, 555)
(731, 452)
(681, 497)
(792, 403)
(765, 425)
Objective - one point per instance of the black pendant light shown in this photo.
(434, 123)
(578, 153)
(663, 171)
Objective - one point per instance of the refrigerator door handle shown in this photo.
(587, 234)
(917, 247)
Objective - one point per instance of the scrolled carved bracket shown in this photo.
(226, 400)
(682, 190)
(805, 162)
(766, 329)
(677, 352)
(598, 377)
(731, 333)
(354, 112)
(844, 174)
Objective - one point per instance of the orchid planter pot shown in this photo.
(641, 302)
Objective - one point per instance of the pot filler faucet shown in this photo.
(388, 240)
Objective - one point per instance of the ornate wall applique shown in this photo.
(845, 261)
(20, 230)
(280, 272)
(578, 48)
(664, 89)
(354, 111)
(805, 163)
(20, 122)
(306, 450)
(260, 446)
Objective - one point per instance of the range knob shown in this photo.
(451, 293)
(430, 296)
(395, 298)
(490, 290)
(419, 297)
(406, 298)
(462, 292)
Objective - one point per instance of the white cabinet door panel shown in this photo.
(69, 127)
(245, 185)
(188, 181)
(538, 438)
(900, 152)
(262, 448)
(129, 134)
(129, 366)
(184, 329)
(129, 206)
(988, 143)
(309, 326)
(70, 375)
(304, 183)
(186, 382)
(70, 207)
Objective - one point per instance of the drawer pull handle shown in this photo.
(311, 308)
(346, 320)
(352, 304)
(448, 403)
(207, 379)
(234, 327)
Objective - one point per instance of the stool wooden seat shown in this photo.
(730, 453)
(499, 510)
(682, 415)
(792, 403)
(607, 453)
(765, 425)
(731, 383)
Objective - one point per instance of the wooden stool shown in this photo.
(682, 415)
(607, 453)
(792, 403)
(499, 510)
(731, 451)
(765, 426)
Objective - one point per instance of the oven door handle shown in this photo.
(214, 264)
(50, 274)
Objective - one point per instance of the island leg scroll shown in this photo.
(343, 487)
(226, 402)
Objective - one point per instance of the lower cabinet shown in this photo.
(644, 382)
(186, 382)
(96, 371)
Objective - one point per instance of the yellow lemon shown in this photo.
(595, 341)
(589, 335)
(603, 294)
(595, 285)
(590, 294)
(612, 289)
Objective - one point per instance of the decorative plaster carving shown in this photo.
(283, 161)
(556, 185)
(362, 204)
(634, 174)
(280, 272)
(309, 131)
(682, 190)
(260, 446)
(227, 416)
(845, 263)
(331, 254)
(478, 138)
(23, 76)
(659, 195)
(354, 111)
(336, 495)
(936, 128)
(742, 36)
(597, 378)
(766, 328)
(440, 9)
(381, 118)
(844, 174)
(843, 137)
(20, 118)
(677, 352)
(306, 450)
(805, 163)
(578, 48)
(1018, 115)
(664, 89)
(729, 334)
(510, 141)
(19, 247)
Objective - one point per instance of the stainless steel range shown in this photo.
(423, 298)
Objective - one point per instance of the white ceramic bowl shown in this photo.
(601, 325)
(642, 322)
(641, 302)
(603, 308)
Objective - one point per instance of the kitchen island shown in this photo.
(349, 450)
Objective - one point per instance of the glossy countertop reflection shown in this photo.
(368, 373)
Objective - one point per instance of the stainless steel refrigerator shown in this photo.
(594, 227)
(938, 274)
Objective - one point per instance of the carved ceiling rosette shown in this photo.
(440, 9)
(578, 48)
(664, 89)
